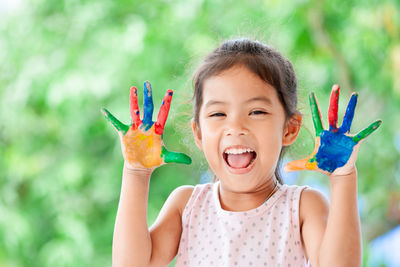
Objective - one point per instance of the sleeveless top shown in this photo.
(268, 235)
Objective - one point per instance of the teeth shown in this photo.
(238, 150)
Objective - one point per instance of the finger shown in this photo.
(134, 107)
(148, 106)
(295, 165)
(301, 164)
(176, 157)
(333, 108)
(119, 126)
(367, 131)
(163, 113)
(316, 114)
(348, 116)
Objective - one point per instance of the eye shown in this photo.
(217, 114)
(258, 112)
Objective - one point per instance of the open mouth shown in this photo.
(239, 158)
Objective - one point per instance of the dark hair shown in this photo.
(262, 60)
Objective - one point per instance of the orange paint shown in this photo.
(143, 147)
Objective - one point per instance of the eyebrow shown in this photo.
(213, 102)
(254, 99)
(260, 98)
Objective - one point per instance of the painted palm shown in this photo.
(334, 147)
(142, 141)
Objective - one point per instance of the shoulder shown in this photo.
(314, 209)
(180, 196)
(313, 204)
(166, 230)
(188, 195)
(171, 211)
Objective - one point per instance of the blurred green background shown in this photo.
(62, 60)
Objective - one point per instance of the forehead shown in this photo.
(238, 85)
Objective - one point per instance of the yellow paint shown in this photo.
(140, 137)
(311, 165)
(143, 147)
(150, 142)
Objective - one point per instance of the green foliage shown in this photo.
(61, 61)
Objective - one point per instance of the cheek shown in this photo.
(270, 142)
(211, 155)
(210, 142)
(209, 130)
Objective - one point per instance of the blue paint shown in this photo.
(334, 151)
(348, 116)
(148, 106)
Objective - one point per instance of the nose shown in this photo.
(236, 127)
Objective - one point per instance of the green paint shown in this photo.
(117, 124)
(316, 115)
(367, 131)
(175, 157)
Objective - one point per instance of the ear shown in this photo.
(292, 129)
(196, 134)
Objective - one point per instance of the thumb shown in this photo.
(176, 157)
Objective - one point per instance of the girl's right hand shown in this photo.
(142, 141)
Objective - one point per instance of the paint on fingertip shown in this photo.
(148, 87)
(349, 115)
(333, 108)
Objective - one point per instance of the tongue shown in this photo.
(239, 160)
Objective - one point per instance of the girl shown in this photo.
(245, 97)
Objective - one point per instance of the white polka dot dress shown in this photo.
(268, 235)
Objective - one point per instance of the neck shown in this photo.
(239, 201)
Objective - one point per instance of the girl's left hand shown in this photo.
(335, 151)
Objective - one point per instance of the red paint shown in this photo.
(333, 108)
(135, 114)
(163, 113)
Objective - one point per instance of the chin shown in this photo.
(238, 184)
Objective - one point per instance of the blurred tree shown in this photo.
(61, 61)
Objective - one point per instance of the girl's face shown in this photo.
(242, 129)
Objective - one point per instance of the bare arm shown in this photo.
(131, 242)
(341, 245)
(167, 229)
(331, 233)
